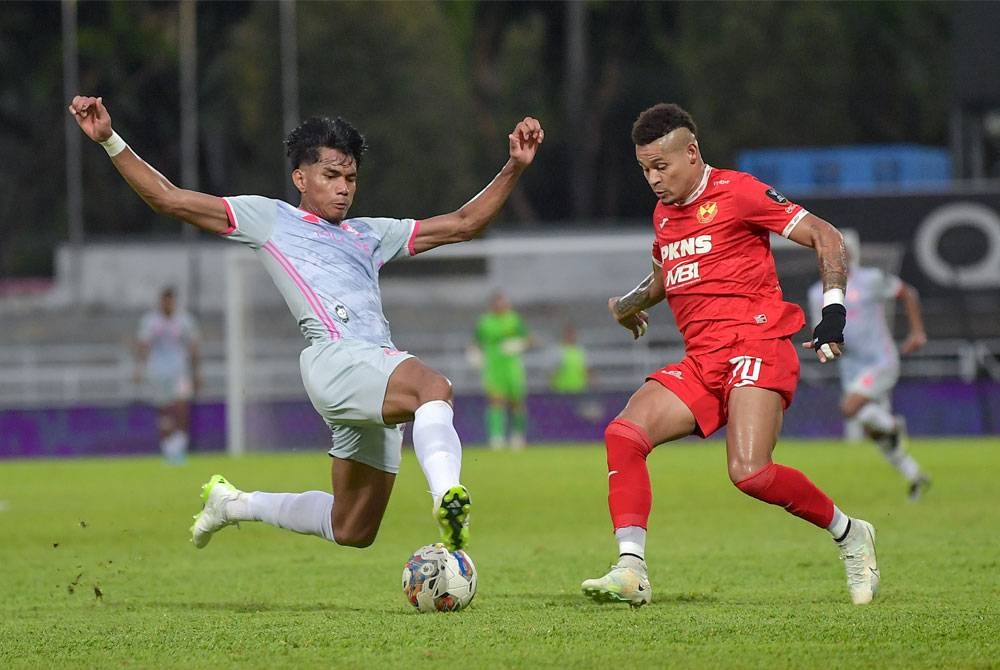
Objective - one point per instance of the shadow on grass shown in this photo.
(255, 607)
(575, 600)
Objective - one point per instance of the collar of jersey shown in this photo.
(309, 217)
(316, 219)
(698, 191)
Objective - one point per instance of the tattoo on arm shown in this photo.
(833, 267)
(637, 299)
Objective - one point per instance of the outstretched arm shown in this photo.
(917, 336)
(199, 209)
(472, 218)
(828, 336)
(630, 309)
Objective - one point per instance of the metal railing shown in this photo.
(103, 374)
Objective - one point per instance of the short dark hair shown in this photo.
(303, 144)
(659, 120)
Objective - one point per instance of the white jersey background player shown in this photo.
(167, 364)
(327, 267)
(869, 365)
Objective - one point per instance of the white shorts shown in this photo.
(875, 382)
(346, 381)
(166, 390)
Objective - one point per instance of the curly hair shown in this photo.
(659, 120)
(303, 144)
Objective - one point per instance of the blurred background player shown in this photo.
(167, 361)
(869, 365)
(501, 339)
(712, 261)
(326, 267)
(572, 374)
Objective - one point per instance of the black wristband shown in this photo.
(831, 326)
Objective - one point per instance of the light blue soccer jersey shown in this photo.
(327, 273)
(169, 339)
(867, 337)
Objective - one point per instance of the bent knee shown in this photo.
(624, 436)
(742, 472)
(358, 535)
(358, 540)
(436, 387)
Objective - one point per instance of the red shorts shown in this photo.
(703, 381)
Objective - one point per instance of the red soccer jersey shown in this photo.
(718, 271)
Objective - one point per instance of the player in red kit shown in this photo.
(712, 262)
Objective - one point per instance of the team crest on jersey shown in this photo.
(664, 221)
(341, 313)
(346, 226)
(707, 212)
(774, 195)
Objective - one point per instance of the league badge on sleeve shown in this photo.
(341, 313)
(774, 195)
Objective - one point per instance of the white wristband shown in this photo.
(834, 296)
(114, 145)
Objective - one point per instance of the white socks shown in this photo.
(309, 513)
(838, 525)
(875, 417)
(174, 446)
(632, 540)
(436, 444)
(903, 462)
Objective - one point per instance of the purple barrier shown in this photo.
(932, 408)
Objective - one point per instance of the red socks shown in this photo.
(789, 488)
(630, 496)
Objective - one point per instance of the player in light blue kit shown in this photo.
(167, 361)
(327, 267)
(869, 365)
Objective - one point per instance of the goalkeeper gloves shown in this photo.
(513, 346)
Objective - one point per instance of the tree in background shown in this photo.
(432, 79)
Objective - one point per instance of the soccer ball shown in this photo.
(438, 580)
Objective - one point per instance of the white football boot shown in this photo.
(215, 493)
(857, 550)
(624, 583)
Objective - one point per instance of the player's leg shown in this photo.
(174, 396)
(653, 415)
(419, 393)
(176, 443)
(225, 505)
(346, 382)
(182, 413)
(516, 392)
(162, 395)
(362, 494)
(755, 417)
(365, 462)
(867, 400)
(496, 420)
(166, 425)
(495, 417)
(518, 423)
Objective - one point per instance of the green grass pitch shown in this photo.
(96, 569)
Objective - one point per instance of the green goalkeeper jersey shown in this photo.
(501, 337)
